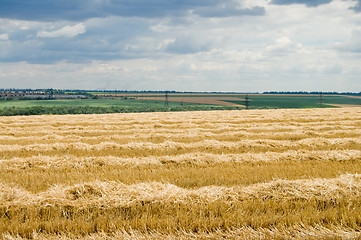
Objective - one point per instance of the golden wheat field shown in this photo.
(256, 174)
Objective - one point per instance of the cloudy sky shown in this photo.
(183, 45)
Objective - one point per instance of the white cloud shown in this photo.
(161, 26)
(165, 43)
(353, 43)
(66, 31)
(290, 47)
(284, 44)
(4, 37)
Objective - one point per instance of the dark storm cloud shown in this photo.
(76, 10)
(309, 3)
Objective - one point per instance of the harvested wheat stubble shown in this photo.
(223, 174)
(120, 194)
(198, 158)
(297, 232)
(215, 207)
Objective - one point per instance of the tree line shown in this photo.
(313, 93)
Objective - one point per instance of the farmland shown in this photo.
(278, 173)
(257, 101)
(89, 106)
(299, 101)
(156, 102)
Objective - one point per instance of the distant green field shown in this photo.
(296, 101)
(87, 106)
(97, 106)
(256, 101)
(88, 103)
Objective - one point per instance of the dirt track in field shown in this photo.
(344, 105)
(353, 96)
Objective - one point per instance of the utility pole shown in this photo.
(321, 99)
(166, 99)
(246, 101)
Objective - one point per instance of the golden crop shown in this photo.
(182, 175)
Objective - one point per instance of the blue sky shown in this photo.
(204, 45)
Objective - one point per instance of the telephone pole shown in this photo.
(321, 99)
(246, 100)
(166, 99)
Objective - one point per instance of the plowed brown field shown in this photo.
(201, 100)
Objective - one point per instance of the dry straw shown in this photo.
(258, 174)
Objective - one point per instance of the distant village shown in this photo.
(41, 94)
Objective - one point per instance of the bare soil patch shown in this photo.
(344, 105)
(201, 100)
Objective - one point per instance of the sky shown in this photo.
(203, 45)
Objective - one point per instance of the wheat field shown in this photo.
(256, 174)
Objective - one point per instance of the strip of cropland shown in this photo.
(220, 174)
(103, 105)
(255, 101)
(272, 101)
(223, 101)
(158, 102)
